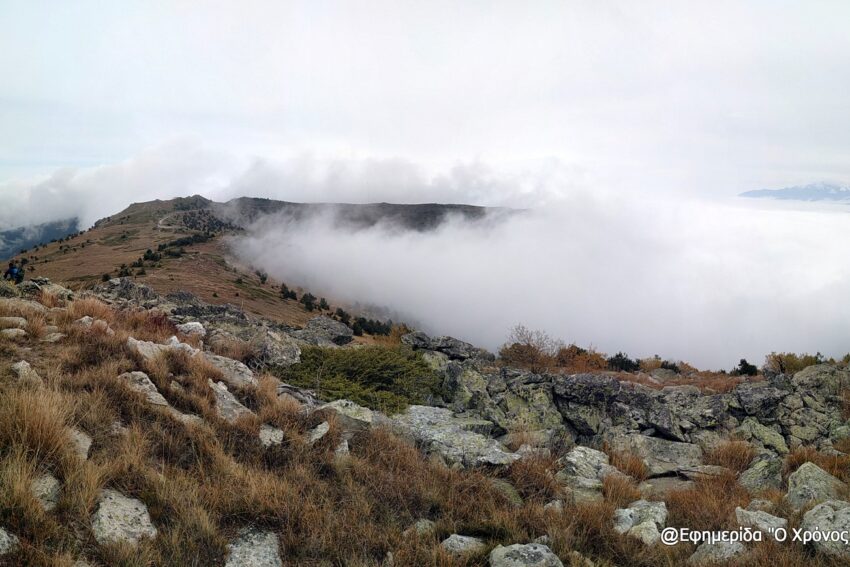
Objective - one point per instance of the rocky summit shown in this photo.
(161, 428)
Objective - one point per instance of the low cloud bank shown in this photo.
(700, 282)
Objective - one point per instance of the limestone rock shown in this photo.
(254, 548)
(46, 489)
(226, 404)
(13, 323)
(26, 374)
(760, 520)
(13, 334)
(586, 463)
(8, 542)
(641, 520)
(765, 472)
(351, 416)
(139, 382)
(318, 432)
(270, 435)
(439, 431)
(811, 483)
(119, 519)
(528, 555)
(192, 329)
(234, 372)
(324, 331)
(718, 552)
(660, 456)
(460, 544)
(82, 443)
(831, 516)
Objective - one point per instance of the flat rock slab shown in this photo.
(661, 456)
(831, 516)
(254, 548)
(140, 382)
(439, 431)
(235, 373)
(518, 555)
(13, 323)
(226, 404)
(13, 334)
(460, 544)
(811, 483)
(119, 519)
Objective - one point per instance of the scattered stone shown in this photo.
(528, 555)
(26, 374)
(661, 457)
(352, 418)
(254, 548)
(234, 372)
(763, 521)
(439, 431)
(270, 435)
(831, 516)
(53, 337)
(324, 331)
(192, 329)
(318, 432)
(422, 527)
(13, 323)
(13, 334)
(461, 544)
(8, 542)
(140, 382)
(21, 305)
(149, 351)
(764, 473)
(641, 520)
(718, 552)
(226, 404)
(811, 483)
(82, 443)
(119, 519)
(46, 489)
(759, 505)
(586, 463)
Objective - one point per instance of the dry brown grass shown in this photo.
(709, 505)
(836, 465)
(627, 462)
(734, 455)
(147, 325)
(534, 478)
(48, 299)
(91, 307)
(237, 349)
(845, 404)
(620, 491)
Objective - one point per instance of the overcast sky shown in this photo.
(706, 98)
(626, 127)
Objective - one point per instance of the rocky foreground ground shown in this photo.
(128, 440)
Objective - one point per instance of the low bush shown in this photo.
(384, 378)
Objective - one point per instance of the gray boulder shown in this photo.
(764, 472)
(254, 548)
(234, 372)
(228, 407)
(528, 555)
(324, 331)
(192, 329)
(661, 456)
(641, 520)
(716, 553)
(270, 435)
(811, 483)
(439, 431)
(46, 489)
(13, 323)
(460, 544)
(831, 516)
(119, 519)
(8, 542)
(759, 520)
(26, 374)
(81, 442)
(140, 382)
(759, 399)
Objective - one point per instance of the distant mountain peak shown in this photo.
(819, 191)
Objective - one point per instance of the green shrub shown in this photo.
(382, 378)
(623, 363)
